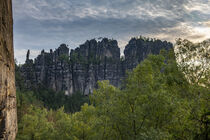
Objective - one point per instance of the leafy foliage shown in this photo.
(194, 60)
(157, 102)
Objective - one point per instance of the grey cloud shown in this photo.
(74, 9)
(45, 24)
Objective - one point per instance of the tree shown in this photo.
(194, 60)
(106, 101)
(83, 123)
(146, 108)
(157, 102)
(34, 125)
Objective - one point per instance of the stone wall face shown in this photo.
(81, 68)
(138, 49)
(8, 115)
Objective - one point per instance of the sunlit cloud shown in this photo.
(202, 31)
(207, 24)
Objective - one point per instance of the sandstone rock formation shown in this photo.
(8, 116)
(91, 62)
(139, 48)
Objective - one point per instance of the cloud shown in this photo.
(76, 9)
(44, 24)
(20, 54)
(207, 23)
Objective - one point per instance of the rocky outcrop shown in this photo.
(139, 48)
(92, 61)
(8, 116)
(95, 61)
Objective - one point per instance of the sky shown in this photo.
(45, 24)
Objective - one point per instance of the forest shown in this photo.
(166, 97)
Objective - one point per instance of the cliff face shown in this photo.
(95, 61)
(138, 49)
(8, 116)
(91, 62)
